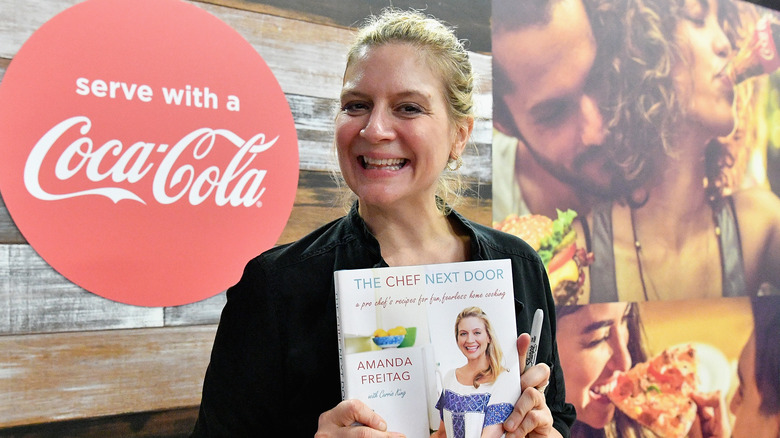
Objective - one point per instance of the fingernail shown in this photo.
(509, 425)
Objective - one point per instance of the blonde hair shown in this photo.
(446, 55)
(493, 351)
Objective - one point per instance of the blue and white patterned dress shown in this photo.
(466, 410)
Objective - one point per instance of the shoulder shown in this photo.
(304, 265)
(449, 377)
(499, 242)
(755, 200)
(756, 209)
(320, 241)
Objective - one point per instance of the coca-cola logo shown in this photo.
(82, 159)
(765, 43)
(148, 150)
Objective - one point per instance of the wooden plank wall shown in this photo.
(75, 364)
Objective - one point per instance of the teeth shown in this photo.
(606, 388)
(391, 163)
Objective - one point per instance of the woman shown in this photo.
(756, 402)
(674, 237)
(406, 115)
(483, 380)
(602, 341)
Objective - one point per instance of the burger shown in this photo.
(556, 243)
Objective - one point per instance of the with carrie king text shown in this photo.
(397, 333)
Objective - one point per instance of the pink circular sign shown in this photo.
(148, 150)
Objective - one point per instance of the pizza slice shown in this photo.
(657, 393)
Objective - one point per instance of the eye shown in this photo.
(600, 336)
(355, 107)
(409, 109)
(698, 22)
(553, 113)
(696, 13)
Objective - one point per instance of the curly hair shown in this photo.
(493, 352)
(642, 107)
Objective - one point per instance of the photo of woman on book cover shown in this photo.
(478, 396)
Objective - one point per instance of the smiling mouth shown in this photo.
(472, 348)
(601, 391)
(384, 164)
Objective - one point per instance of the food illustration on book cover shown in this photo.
(398, 337)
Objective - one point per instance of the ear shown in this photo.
(462, 134)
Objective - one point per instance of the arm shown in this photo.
(759, 229)
(231, 404)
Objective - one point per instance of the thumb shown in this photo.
(523, 342)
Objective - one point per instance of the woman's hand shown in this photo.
(711, 417)
(352, 418)
(531, 416)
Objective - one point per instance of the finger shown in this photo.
(538, 420)
(530, 399)
(523, 342)
(536, 376)
(710, 399)
(350, 412)
(695, 430)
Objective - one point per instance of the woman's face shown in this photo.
(592, 352)
(473, 338)
(393, 132)
(748, 420)
(705, 90)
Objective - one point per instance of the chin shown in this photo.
(597, 418)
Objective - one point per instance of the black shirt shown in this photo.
(275, 366)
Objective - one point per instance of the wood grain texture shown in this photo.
(38, 299)
(307, 58)
(470, 17)
(51, 377)
(170, 423)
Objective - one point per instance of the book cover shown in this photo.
(399, 347)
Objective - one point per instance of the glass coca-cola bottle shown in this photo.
(760, 55)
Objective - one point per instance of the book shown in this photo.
(397, 335)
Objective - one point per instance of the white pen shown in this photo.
(536, 332)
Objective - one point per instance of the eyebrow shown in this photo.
(401, 95)
(606, 322)
(596, 325)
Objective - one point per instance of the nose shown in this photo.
(378, 126)
(621, 358)
(735, 401)
(592, 128)
(721, 44)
